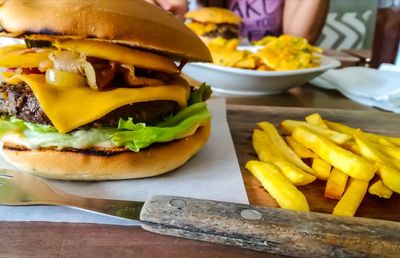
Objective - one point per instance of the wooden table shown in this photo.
(42, 239)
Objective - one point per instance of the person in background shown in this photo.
(177, 7)
(304, 18)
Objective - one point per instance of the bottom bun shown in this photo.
(105, 165)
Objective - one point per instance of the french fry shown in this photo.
(378, 188)
(342, 155)
(299, 149)
(348, 145)
(381, 139)
(277, 143)
(395, 162)
(344, 160)
(352, 198)
(366, 149)
(288, 126)
(378, 149)
(278, 186)
(339, 127)
(261, 144)
(322, 168)
(336, 184)
(390, 177)
(316, 119)
(249, 62)
(388, 170)
(394, 140)
(389, 151)
(268, 153)
(296, 175)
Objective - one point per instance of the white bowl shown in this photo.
(252, 82)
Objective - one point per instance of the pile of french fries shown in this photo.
(281, 53)
(350, 160)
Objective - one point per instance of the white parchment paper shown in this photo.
(213, 174)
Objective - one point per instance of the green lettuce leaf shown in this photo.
(201, 94)
(128, 134)
(138, 136)
(6, 126)
(183, 114)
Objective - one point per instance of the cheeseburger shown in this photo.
(93, 93)
(214, 22)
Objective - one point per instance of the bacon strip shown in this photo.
(105, 74)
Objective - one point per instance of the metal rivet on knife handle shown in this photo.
(250, 214)
(177, 203)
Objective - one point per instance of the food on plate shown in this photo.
(95, 94)
(280, 188)
(224, 53)
(288, 53)
(349, 160)
(214, 22)
(274, 54)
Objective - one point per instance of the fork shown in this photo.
(22, 189)
(286, 232)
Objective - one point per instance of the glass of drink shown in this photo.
(387, 33)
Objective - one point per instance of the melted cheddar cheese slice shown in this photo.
(72, 107)
(18, 56)
(201, 28)
(118, 53)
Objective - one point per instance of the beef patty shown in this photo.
(18, 100)
(224, 30)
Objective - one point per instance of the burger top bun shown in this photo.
(129, 22)
(213, 15)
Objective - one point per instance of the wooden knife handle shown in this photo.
(302, 234)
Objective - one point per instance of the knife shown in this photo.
(286, 232)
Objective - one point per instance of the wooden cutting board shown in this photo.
(242, 120)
